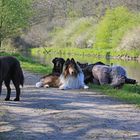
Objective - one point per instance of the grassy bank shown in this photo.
(129, 93)
(29, 64)
(85, 51)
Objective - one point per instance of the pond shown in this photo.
(132, 67)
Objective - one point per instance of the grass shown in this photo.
(29, 64)
(129, 93)
(85, 51)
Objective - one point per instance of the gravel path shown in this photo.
(52, 114)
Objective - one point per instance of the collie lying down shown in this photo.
(48, 81)
(72, 77)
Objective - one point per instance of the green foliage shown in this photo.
(14, 15)
(113, 26)
(105, 35)
(75, 33)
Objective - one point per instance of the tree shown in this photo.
(14, 16)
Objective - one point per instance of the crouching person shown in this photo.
(114, 75)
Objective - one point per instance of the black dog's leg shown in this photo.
(16, 84)
(7, 84)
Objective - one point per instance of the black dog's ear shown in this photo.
(72, 59)
(54, 60)
(67, 61)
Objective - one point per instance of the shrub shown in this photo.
(74, 34)
(113, 25)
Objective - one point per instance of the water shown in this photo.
(132, 67)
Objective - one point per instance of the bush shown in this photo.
(113, 25)
(74, 34)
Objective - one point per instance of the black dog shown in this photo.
(82, 65)
(87, 70)
(58, 66)
(10, 70)
(58, 63)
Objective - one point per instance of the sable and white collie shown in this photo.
(49, 81)
(72, 76)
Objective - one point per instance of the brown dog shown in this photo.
(49, 81)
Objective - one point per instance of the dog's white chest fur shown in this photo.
(71, 82)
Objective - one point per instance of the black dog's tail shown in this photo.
(21, 77)
(19, 74)
(130, 81)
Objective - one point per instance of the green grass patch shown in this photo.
(129, 93)
(70, 50)
(29, 64)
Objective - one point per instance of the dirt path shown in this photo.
(52, 114)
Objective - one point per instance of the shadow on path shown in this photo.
(52, 114)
